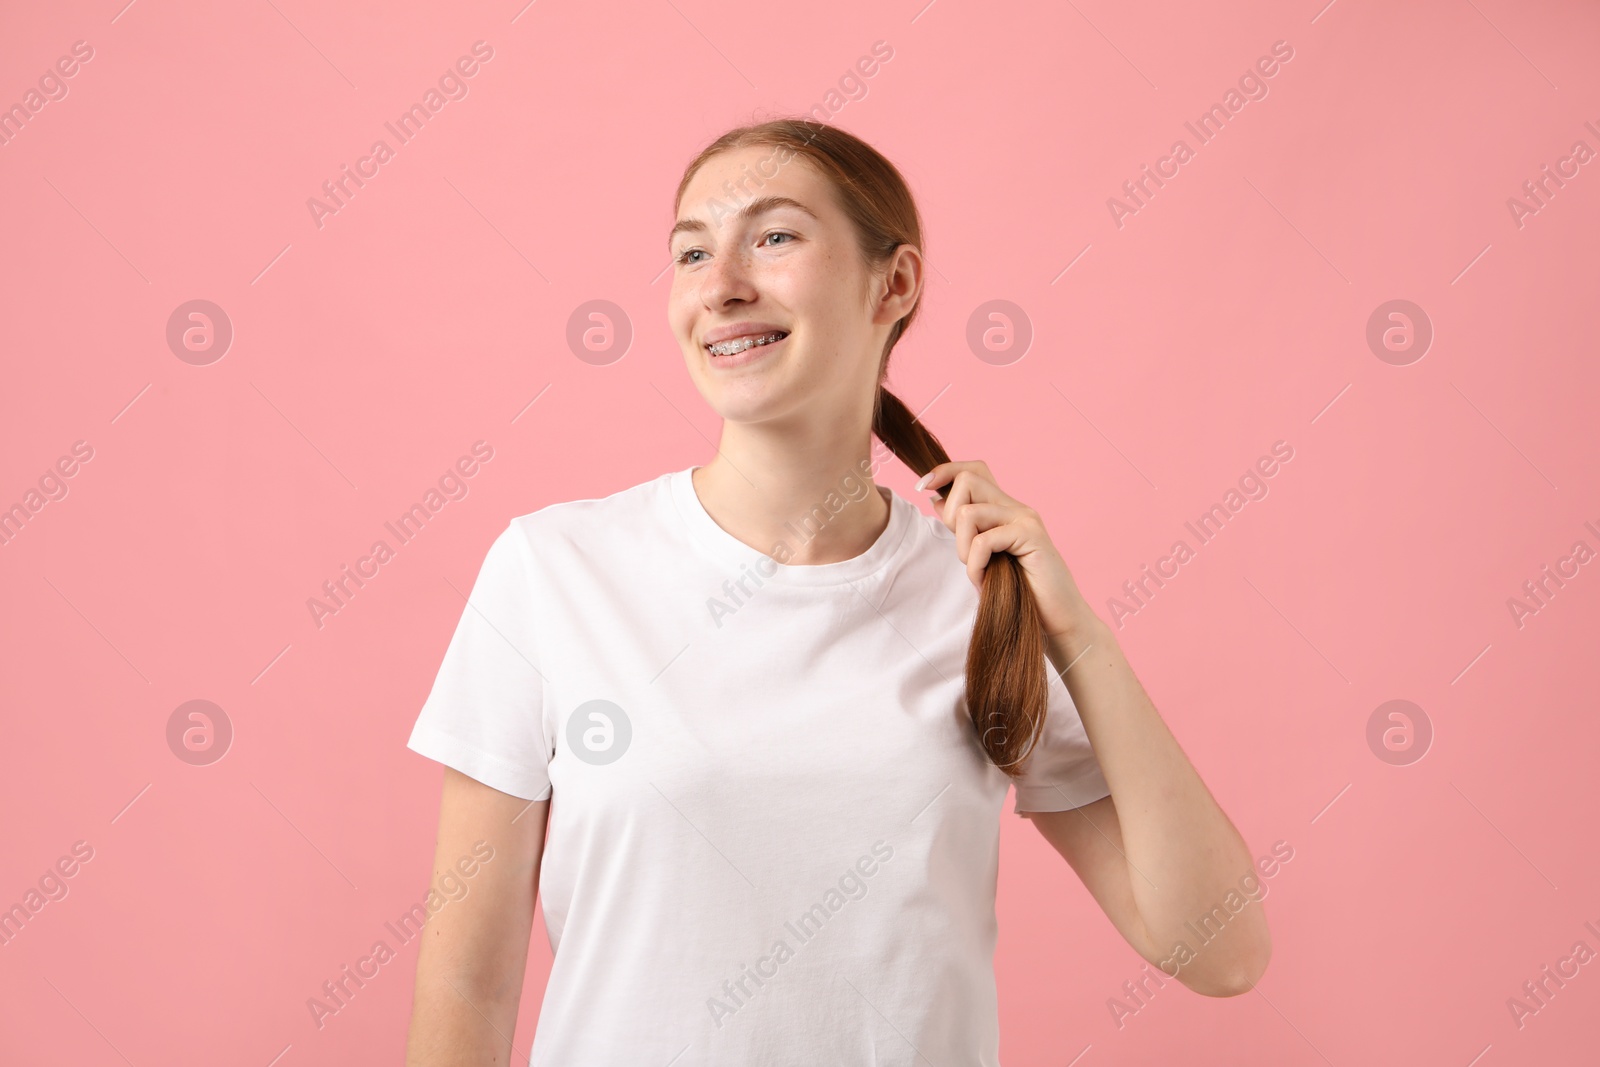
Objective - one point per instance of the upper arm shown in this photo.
(1089, 838)
(479, 937)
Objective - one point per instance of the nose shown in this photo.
(727, 278)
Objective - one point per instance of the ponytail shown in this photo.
(1007, 692)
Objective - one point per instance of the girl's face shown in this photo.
(776, 255)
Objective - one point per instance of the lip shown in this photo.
(739, 329)
(749, 355)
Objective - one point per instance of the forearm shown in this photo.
(1184, 855)
(453, 1027)
(457, 1024)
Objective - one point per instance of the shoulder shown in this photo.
(934, 558)
(937, 528)
(934, 539)
(592, 524)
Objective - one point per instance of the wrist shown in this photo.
(1085, 628)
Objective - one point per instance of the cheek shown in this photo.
(679, 310)
(811, 290)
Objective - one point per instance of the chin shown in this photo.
(744, 405)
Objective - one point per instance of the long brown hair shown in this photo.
(1006, 688)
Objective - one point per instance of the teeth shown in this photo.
(729, 348)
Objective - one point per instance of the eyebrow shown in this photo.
(755, 207)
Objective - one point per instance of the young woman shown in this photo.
(749, 726)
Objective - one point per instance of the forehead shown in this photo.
(754, 176)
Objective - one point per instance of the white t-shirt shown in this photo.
(775, 838)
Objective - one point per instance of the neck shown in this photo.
(818, 502)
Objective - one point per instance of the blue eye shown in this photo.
(682, 258)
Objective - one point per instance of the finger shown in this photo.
(946, 472)
(971, 484)
(987, 543)
(938, 475)
(973, 518)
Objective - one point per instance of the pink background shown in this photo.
(368, 354)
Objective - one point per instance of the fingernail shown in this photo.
(922, 483)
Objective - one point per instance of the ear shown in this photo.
(898, 285)
(905, 276)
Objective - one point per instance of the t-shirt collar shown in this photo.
(729, 551)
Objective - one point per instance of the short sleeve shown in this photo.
(484, 714)
(1062, 771)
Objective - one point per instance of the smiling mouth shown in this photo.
(740, 344)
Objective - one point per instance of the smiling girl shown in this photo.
(770, 835)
